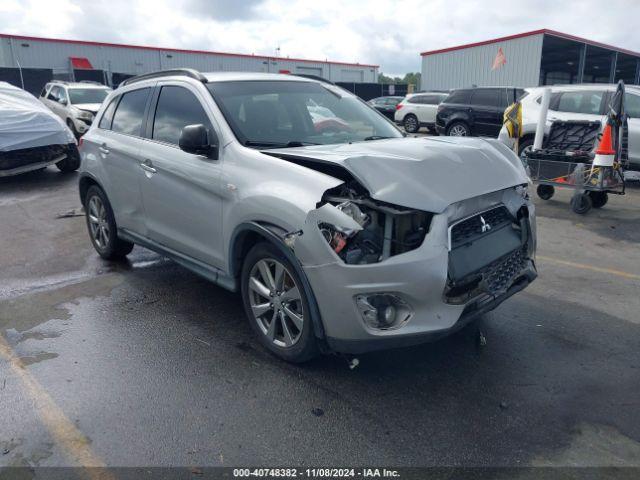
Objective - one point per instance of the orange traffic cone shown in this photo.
(605, 154)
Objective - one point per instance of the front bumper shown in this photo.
(419, 277)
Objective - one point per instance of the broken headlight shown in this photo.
(384, 230)
(383, 311)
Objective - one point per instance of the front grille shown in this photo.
(491, 280)
(26, 156)
(499, 274)
(472, 228)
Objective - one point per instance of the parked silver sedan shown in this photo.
(341, 234)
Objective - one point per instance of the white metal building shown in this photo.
(65, 56)
(540, 57)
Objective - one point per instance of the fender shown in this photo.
(84, 176)
(275, 235)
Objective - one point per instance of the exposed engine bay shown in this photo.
(386, 230)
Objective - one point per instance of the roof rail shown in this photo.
(313, 77)
(185, 72)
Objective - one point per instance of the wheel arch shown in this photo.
(248, 234)
(85, 182)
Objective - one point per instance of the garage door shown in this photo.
(317, 71)
(351, 75)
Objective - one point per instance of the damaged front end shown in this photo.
(376, 230)
(411, 275)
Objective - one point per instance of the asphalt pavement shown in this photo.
(145, 363)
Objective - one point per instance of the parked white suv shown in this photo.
(419, 110)
(343, 236)
(578, 102)
(75, 103)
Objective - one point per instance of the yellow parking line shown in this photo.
(63, 431)
(593, 268)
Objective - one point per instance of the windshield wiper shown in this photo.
(293, 143)
(376, 137)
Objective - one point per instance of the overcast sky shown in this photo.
(383, 32)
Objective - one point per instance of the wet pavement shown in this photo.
(144, 363)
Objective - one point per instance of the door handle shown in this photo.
(103, 149)
(147, 166)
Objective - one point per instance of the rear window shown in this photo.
(459, 96)
(130, 112)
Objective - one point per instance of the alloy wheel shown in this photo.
(98, 222)
(276, 302)
(458, 131)
(411, 124)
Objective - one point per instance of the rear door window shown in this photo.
(177, 107)
(487, 97)
(459, 96)
(130, 112)
(587, 102)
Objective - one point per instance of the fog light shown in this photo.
(383, 311)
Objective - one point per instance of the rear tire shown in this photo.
(525, 146)
(72, 162)
(458, 129)
(277, 305)
(102, 227)
(411, 123)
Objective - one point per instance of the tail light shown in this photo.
(398, 106)
(80, 141)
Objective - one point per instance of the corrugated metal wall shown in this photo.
(55, 55)
(472, 66)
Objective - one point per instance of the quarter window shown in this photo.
(587, 102)
(177, 107)
(107, 117)
(130, 112)
(632, 105)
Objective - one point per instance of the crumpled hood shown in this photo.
(423, 173)
(89, 107)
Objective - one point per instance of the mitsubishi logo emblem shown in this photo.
(485, 226)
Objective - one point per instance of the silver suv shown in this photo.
(341, 234)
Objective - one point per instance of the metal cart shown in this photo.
(566, 160)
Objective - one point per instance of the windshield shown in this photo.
(273, 114)
(87, 95)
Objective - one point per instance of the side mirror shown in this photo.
(63, 101)
(198, 140)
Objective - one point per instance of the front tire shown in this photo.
(581, 203)
(72, 127)
(411, 124)
(102, 227)
(277, 305)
